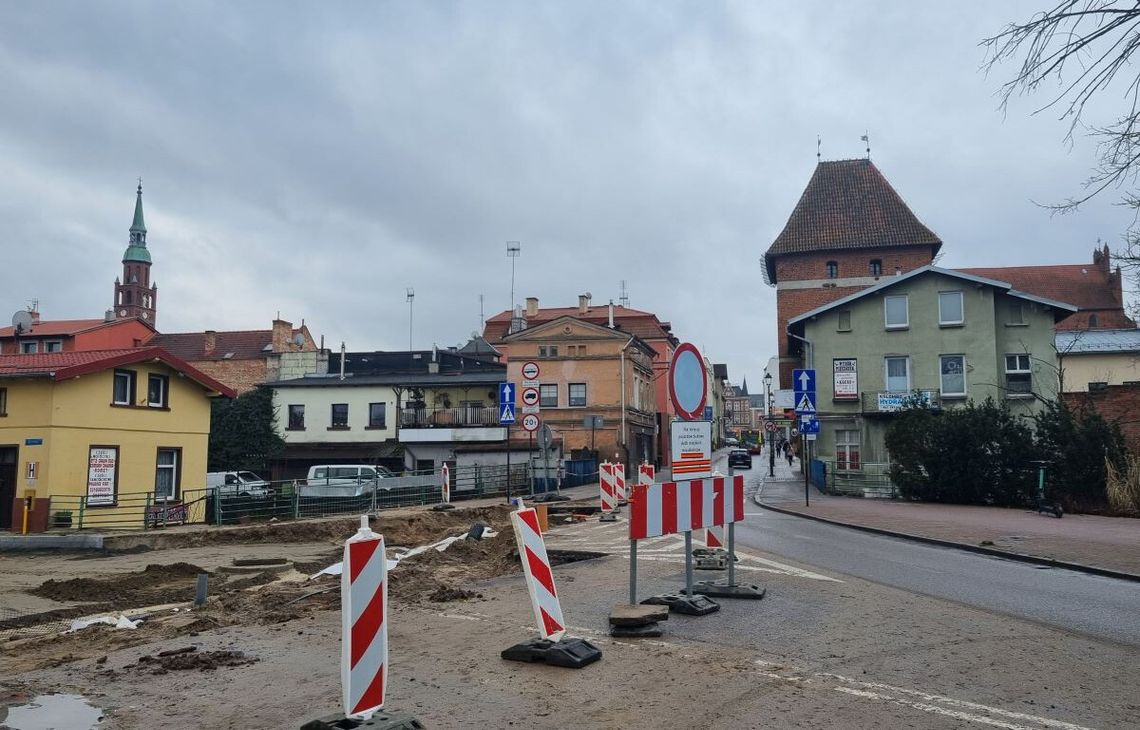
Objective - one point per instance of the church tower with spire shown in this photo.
(135, 295)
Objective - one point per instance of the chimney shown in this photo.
(342, 361)
(210, 342)
(583, 303)
(109, 315)
(532, 306)
(433, 366)
(282, 335)
(611, 314)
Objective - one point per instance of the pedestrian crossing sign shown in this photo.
(806, 403)
(507, 414)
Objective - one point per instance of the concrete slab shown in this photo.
(77, 541)
(625, 614)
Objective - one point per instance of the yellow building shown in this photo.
(113, 437)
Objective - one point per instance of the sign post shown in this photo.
(803, 384)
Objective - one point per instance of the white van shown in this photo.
(343, 480)
(237, 483)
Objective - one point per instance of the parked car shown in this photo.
(238, 484)
(730, 441)
(740, 458)
(343, 480)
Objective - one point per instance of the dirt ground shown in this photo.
(264, 651)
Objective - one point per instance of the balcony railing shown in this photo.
(449, 417)
(890, 401)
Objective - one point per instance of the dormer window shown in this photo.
(832, 269)
(876, 268)
(1093, 320)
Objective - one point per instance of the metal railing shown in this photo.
(449, 417)
(869, 480)
(130, 511)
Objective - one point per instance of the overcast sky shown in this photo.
(316, 159)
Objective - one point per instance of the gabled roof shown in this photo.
(64, 365)
(236, 345)
(1098, 341)
(597, 329)
(645, 325)
(66, 327)
(479, 347)
(1082, 285)
(848, 204)
(408, 363)
(895, 280)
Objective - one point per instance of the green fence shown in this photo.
(870, 480)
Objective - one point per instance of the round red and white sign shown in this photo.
(688, 388)
(530, 422)
(530, 370)
(530, 396)
(770, 426)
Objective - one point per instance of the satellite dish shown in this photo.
(22, 321)
(299, 339)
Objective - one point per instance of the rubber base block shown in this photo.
(646, 631)
(686, 605)
(723, 590)
(442, 507)
(571, 653)
(608, 517)
(380, 720)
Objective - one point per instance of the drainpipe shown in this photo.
(624, 441)
(810, 349)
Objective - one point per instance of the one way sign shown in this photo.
(506, 404)
(803, 386)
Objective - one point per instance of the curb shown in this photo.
(1021, 557)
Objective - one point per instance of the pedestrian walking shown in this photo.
(788, 453)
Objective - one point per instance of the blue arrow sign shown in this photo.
(809, 424)
(507, 414)
(805, 403)
(507, 394)
(803, 381)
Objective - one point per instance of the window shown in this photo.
(339, 415)
(157, 387)
(876, 268)
(846, 450)
(296, 417)
(832, 270)
(844, 321)
(571, 350)
(1016, 314)
(542, 350)
(1093, 320)
(53, 346)
(1098, 386)
(548, 396)
(950, 309)
(554, 350)
(124, 393)
(1018, 376)
(582, 349)
(577, 394)
(953, 374)
(898, 373)
(548, 350)
(29, 347)
(895, 310)
(167, 475)
(376, 415)
(3, 401)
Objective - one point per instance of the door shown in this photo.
(9, 456)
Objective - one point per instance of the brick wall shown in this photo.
(241, 375)
(1119, 404)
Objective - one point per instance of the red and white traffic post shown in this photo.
(553, 647)
(607, 491)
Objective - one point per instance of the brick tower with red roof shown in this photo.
(848, 230)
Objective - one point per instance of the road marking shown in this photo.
(932, 709)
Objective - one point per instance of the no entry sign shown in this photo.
(530, 370)
(688, 388)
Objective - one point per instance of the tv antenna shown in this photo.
(513, 251)
(411, 300)
(481, 312)
(623, 299)
(867, 138)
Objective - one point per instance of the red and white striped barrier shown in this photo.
(672, 507)
(619, 483)
(539, 578)
(714, 537)
(364, 622)
(646, 473)
(446, 486)
(607, 486)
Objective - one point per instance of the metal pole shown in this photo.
(689, 563)
(508, 464)
(731, 533)
(201, 589)
(633, 571)
(804, 465)
(530, 460)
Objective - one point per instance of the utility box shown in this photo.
(38, 517)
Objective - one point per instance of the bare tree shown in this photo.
(1086, 47)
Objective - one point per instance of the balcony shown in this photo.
(446, 425)
(891, 401)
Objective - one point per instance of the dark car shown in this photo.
(755, 449)
(741, 458)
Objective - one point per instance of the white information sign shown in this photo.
(845, 379)
(691, 450)
(102, 472)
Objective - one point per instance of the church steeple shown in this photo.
(135, 296)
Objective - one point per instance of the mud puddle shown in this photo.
(52, 712)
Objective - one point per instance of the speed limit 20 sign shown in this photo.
(530, 422)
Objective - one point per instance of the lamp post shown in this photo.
(767, 433)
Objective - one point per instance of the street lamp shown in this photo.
(768, 434)
(768, 393)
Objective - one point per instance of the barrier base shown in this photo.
(696, 605)
(716, 589)
(569, 652)
(710, 559)
(608, 517)
(442, 507)
(549, 497)
(646, 631)
(380, 720)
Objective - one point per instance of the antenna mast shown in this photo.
(481, 313)
(623, 299)
(867, 138)
(513, 251)
(411, 300)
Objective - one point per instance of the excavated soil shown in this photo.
(190, 659)
(153, 585)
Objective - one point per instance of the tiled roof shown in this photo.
(48, 328)
(1115, 340)
(848, 204)
(645, 325)
(238, 345)
(64, 365)
(1082, 285)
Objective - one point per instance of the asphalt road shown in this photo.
(1097, 606)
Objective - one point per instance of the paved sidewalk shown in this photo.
(1102, 544)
